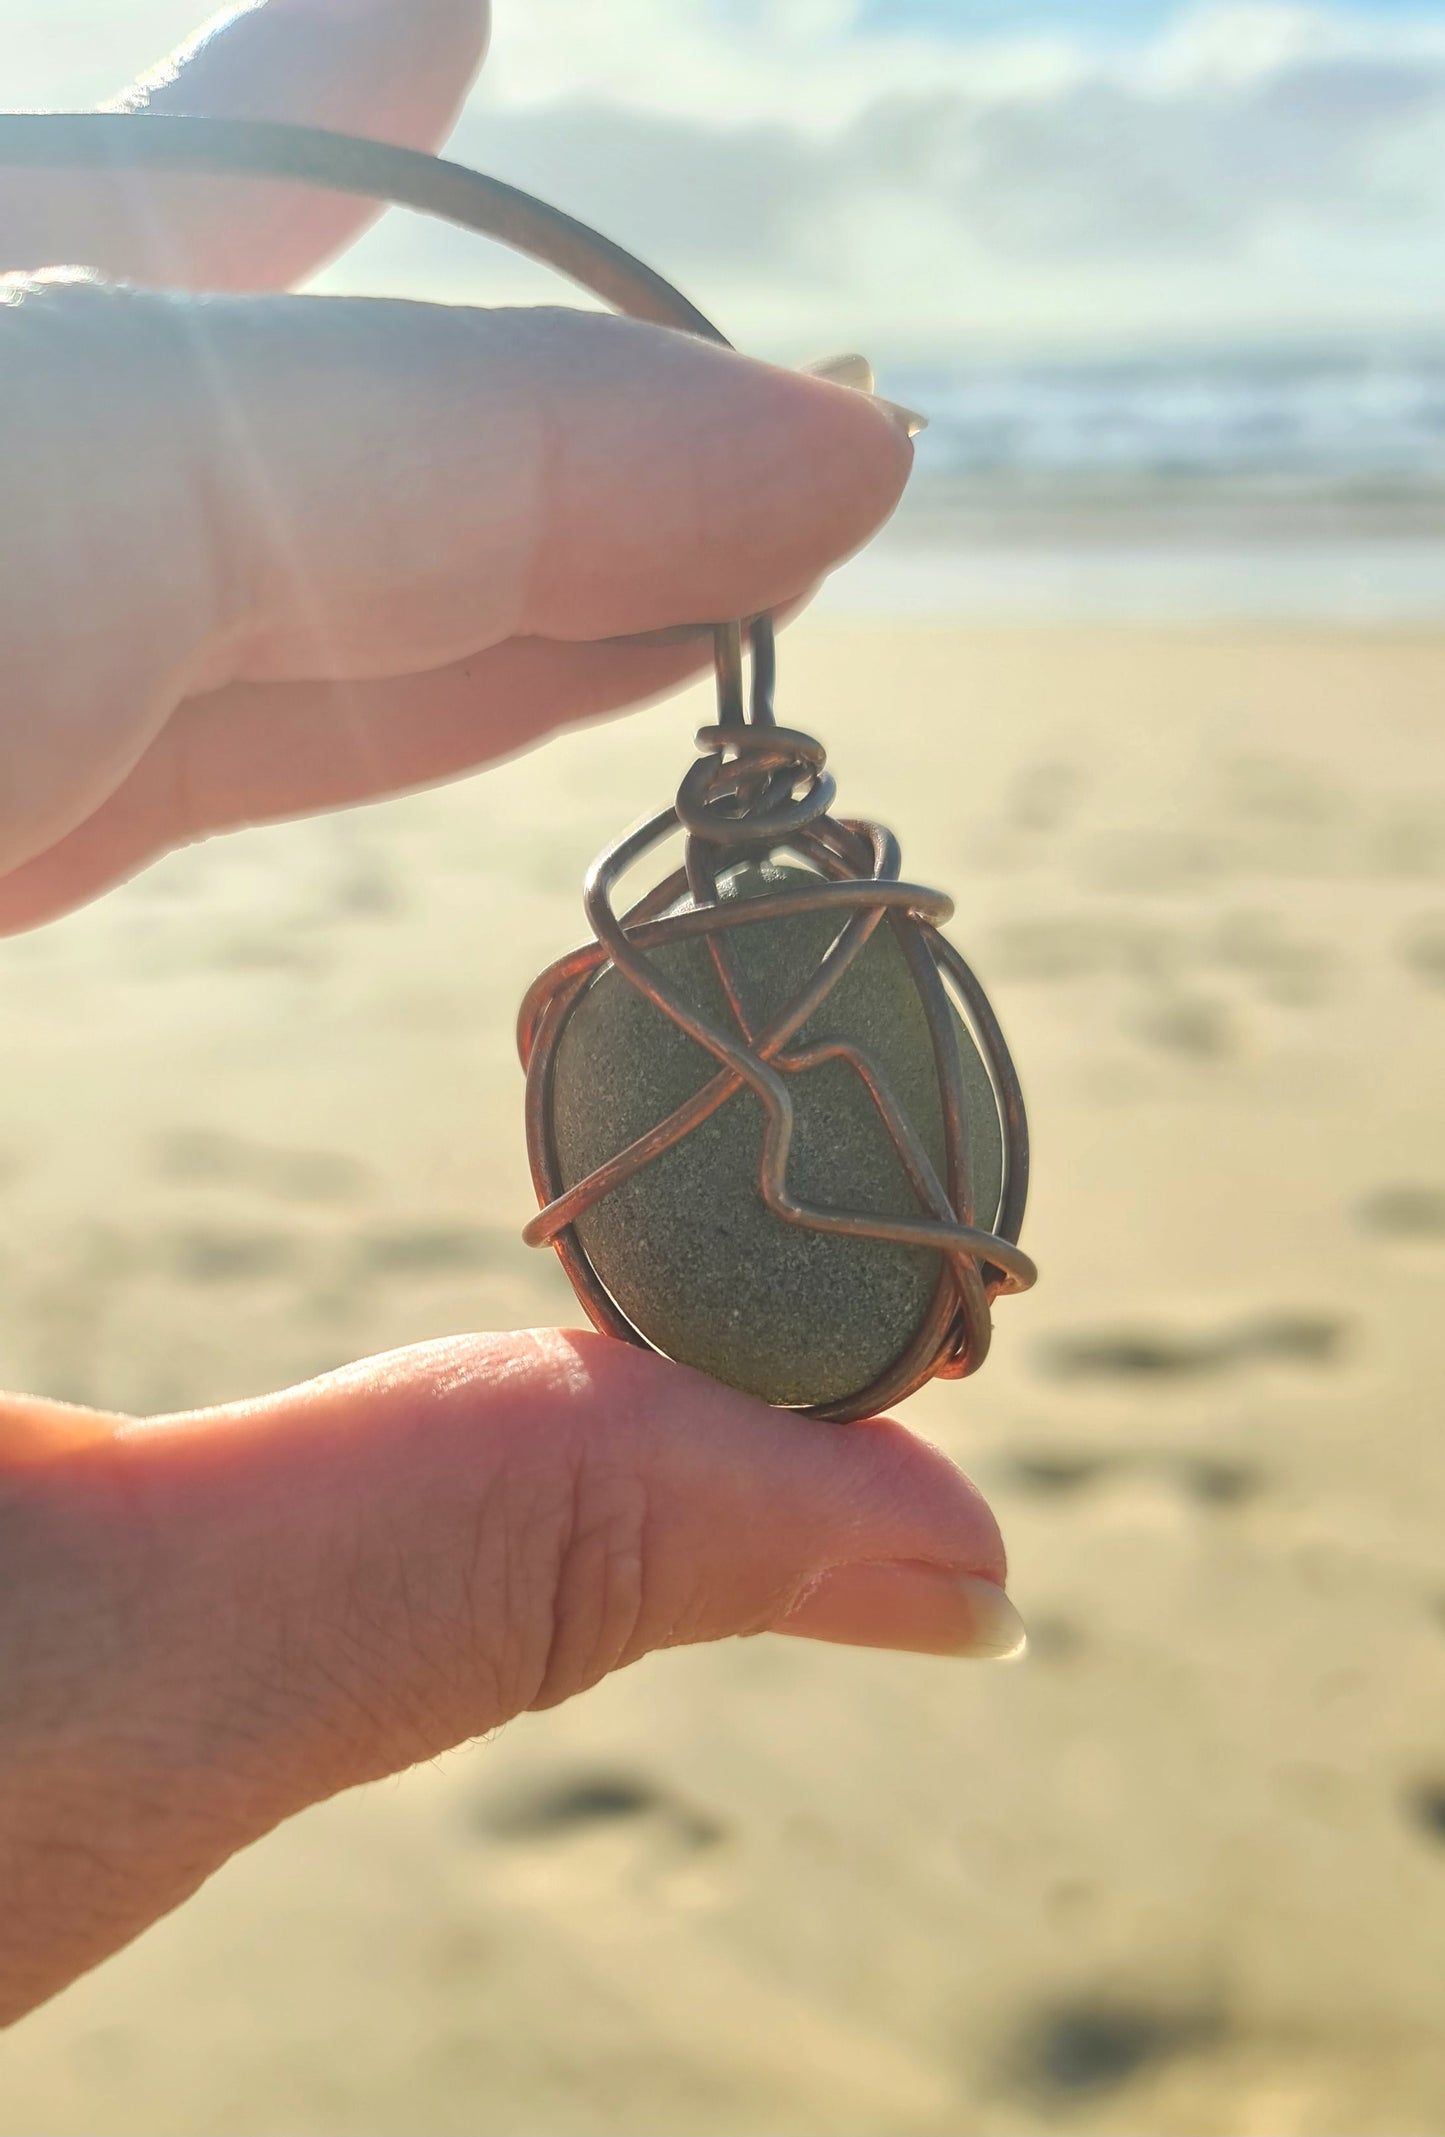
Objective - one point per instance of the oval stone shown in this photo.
(687, 1248)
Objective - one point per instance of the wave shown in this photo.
(1342, 420)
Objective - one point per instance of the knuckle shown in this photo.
(597, 1614)
(114, 515)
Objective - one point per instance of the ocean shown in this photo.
(1272, 485)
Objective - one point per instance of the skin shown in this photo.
(270, 555)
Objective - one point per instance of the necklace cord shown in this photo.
(117, 143)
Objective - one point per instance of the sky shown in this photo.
(925, 178)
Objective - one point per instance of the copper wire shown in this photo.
(764, 789)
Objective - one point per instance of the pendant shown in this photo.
(773, 1125)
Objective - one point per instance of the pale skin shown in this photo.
(274, 555)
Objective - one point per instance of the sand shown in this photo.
(1182, 1871)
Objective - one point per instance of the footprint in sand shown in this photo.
(208, 1157)
(1055, 1642)
(1219, 1482)
(200, 1155)
(1083, 2047)
(1424, 949)
(1215, 1482)
(1045, 796)
(222, 1255)
(432, 1250)
(313, 1175)
(1160, 1355)
(267, 950)
(1295, 971)
(557, 1810)
(1049, 948)
(1285, 813)
(1424, 1807)
(1059, 1476)
(595, 1834)
(1404, 1212)
(1153, 863)
(367, 889)
(1180, 1021)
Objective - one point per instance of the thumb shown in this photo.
(451, 1535)
(252, 1609)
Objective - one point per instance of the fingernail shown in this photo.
(847, 370)
(909, 421)
(917, 1609)
(856, 373)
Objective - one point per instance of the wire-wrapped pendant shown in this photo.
(773, 1124)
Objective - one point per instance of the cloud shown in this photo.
(1248, 169)
(1112, 171)
(938, 174)
(702, 196)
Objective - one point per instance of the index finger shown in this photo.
(397, 70)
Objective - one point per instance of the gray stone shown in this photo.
(687, 1248)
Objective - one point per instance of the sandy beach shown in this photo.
(1182, 1871)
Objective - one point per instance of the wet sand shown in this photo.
(1184, 1870)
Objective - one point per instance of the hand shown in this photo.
(262, 556)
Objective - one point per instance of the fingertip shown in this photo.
(490, 1523)
(878, 1491)
(401, 67)
(871, 437)
(841, 462)
(395, 70)
(924, 1470)
(691, 481)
